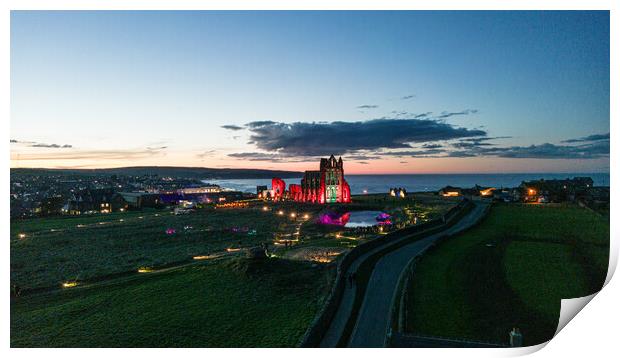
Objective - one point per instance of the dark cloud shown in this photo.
(409, 96)
(232, 127)
(257, 124)
(316, 139)
(476, 142)
(367, 106)
(14, 141)
(363, 163)
(590, 138)
(157, 148)
(552, 151)
(432, 146)
(424, 153)
(423, 115)
(542, 151)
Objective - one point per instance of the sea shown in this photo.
(381, 183)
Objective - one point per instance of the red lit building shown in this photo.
(326, 185)
(294, 192)
(278, 186)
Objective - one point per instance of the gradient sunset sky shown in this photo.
(391, 92)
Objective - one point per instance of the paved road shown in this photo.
(372, 322)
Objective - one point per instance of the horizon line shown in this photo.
(295, 171)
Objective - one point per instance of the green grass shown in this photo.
(238, 303)
(511, 270)
(84, 248)
(46, 258)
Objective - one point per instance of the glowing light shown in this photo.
(121, 220)
(80, 225)
(230, 249)
(365, 191)
(145, 269)
(21, 236)
(122, 210)
(101, 223)
(451, 193)
(265, 208)
(487, 192)
(203, 257)
(69, 284)
(280, 212)
(531, 191)
(293, 215)
(338, 236)
(306, 216)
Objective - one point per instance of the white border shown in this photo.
(593, 330)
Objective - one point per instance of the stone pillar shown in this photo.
(516, 338)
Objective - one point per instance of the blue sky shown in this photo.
(155, 88)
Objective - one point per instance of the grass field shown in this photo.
(48, 251)
(228, 301)
(510, 271)
(235, 303)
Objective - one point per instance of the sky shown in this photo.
(389, 91)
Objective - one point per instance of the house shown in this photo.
(135, 200)
(450, 191)
(89, 201)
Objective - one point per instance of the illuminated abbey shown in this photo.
(326, 185)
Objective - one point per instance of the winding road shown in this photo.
(373, 319)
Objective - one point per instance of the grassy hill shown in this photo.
(510, 271)
(239, 303)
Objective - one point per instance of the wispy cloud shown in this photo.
(232, 127)
(40, 145)
(74, 154)
(207, 153)
(590, 138)
(367, 106)
(45, 145)
(269, 157)
(409, 96)
(445, 115)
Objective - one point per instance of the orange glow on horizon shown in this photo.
(380, 166)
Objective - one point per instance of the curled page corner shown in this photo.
(570, 308)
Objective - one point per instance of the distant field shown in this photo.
(232, 304)
(510, 271)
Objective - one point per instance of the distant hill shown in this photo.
(179, 172)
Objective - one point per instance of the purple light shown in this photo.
(331, 218)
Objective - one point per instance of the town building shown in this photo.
(556, 190)
(450, 191)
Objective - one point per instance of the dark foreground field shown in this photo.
(510, 271)
(230, 303)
